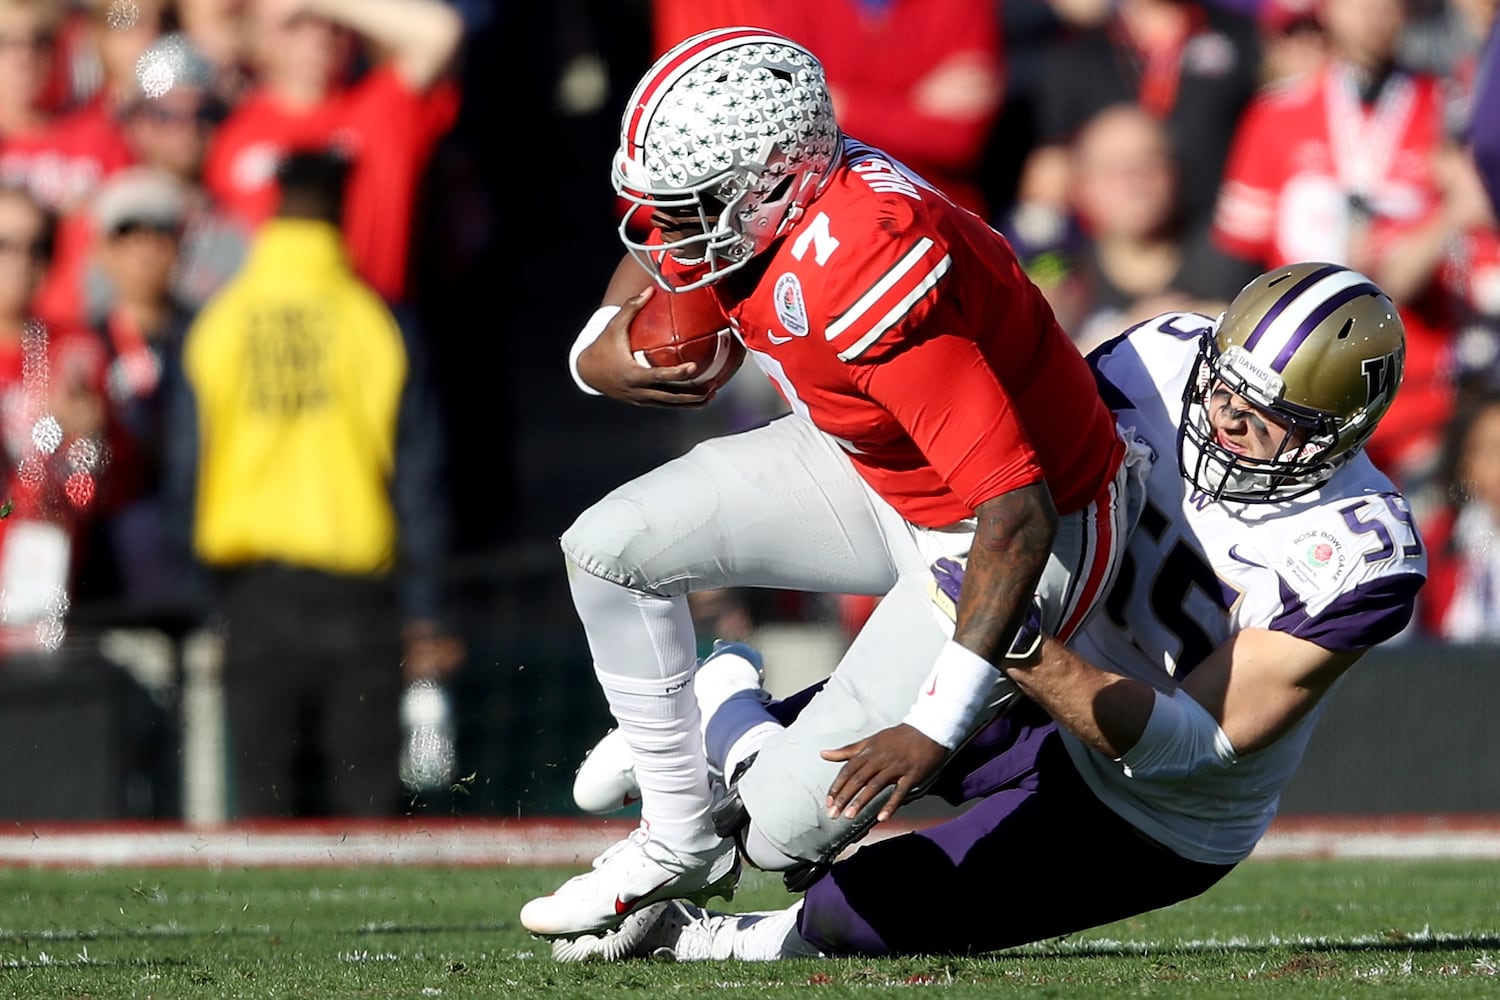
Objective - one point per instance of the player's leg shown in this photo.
(729, 687)
(778, 506)
(1004, 857)
(984, 880)
(873, 687)
(879, 677)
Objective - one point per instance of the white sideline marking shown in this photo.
(327, 843)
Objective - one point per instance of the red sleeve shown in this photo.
(875, 305)
(944, 394)
(403, 117)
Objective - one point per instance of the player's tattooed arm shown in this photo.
(1012, 541)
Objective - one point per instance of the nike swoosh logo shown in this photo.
(624, 906)
(933, 689)
(778, 341)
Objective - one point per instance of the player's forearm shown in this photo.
(1012, 542)
(421, 35)
(1106, 711)
(628, 280)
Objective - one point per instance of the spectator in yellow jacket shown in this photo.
(309, 450)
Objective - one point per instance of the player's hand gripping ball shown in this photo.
(674, 328)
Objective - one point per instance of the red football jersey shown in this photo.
(1310, 162)
(904, 327)
(62, 164)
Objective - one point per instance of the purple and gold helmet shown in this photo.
(1317, 346)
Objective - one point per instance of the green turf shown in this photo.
(1272, 929)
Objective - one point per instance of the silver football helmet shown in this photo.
(1320, 348)
(733, 132)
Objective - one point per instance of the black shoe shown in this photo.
(728, 815)
(801, 878)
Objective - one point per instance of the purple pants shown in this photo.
(1038, 856)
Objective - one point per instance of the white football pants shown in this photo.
(781, 506)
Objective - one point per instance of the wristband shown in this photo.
(953, 695)
(1181, 738)
(592, 331)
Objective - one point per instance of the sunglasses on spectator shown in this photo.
(131, 227)
(203, 114)
(36, 41)
(35, 250)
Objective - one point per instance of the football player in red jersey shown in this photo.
(938, 412)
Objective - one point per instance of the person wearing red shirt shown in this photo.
(938, 414)
(59, 158)
(107, 53)
(56, 438)
(920, 79)
(1339, 167)
(386, 123)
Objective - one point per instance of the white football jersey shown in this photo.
(1340, 567)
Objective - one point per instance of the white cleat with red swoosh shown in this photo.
(632, 874)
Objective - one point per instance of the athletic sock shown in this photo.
(644, 660)
(763, 937)
(732, 705)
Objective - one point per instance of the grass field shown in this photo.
(1274, 928)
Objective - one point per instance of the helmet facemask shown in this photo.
(706, 243)
(1302, 461)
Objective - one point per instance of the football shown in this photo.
(674, 328)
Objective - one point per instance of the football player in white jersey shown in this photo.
(1153, 749)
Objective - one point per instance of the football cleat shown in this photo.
(731, 668)
(670, 930)
(630, 875)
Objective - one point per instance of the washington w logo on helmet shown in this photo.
(1382, 375)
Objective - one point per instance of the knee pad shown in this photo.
(601, 540)
(785, 794)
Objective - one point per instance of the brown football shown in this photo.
(674, 328)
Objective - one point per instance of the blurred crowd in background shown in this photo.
(1141, 155)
